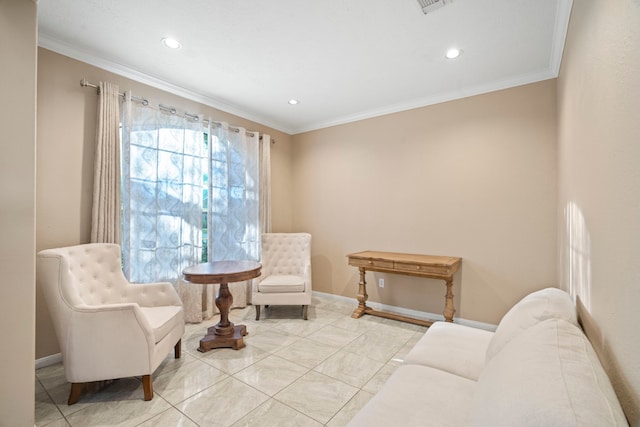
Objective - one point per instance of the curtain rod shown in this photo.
(85, 83)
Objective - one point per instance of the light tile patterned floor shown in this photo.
(291, 373)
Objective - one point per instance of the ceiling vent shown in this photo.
(428, 6)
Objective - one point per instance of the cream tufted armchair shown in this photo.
(107, 328)
(286, 272)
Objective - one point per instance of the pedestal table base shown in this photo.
(233, 340)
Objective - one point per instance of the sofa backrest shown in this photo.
(549, 303)
(549, 375)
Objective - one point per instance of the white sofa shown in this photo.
(537, 369)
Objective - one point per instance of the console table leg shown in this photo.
(362, 295)
(449, 311)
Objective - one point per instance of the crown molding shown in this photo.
(435, 99)
(65, 49)
(563, 14)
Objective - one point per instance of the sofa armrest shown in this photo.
(548, 303)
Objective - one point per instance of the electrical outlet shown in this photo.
(381, 283)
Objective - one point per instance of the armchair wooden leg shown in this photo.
(257, 312)
(147, 385)
(304, 311)
(177, 350)
(76, 391)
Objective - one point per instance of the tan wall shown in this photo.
(474, 178)
(18, 41)
(66, 134)
(599, 141)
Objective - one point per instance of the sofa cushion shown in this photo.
(549, 303)
(549, 375)
(416, 395)
(453, 348)
(281, 284)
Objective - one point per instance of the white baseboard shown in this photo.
(423, 315)
(48, 360)
(56, 358)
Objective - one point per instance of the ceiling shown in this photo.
(344, 60)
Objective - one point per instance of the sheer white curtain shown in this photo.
(233, 215)
(265, 184)
(163, 161)
(105, 214)
(234, 207)
(164, 166)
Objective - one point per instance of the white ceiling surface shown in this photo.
(344, 60)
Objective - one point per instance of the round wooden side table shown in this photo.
(224, 333)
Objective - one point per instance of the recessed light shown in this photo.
(453, 53)
(171, 43)
(293, 101)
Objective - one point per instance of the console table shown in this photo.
(428, 266)
(224, 333)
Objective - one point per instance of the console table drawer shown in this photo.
(417, 268)
(379, 263)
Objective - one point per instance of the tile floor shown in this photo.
(291, 373)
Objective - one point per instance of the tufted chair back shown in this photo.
(93, 275)
(286, 271)
(106, 327)
(286, 253)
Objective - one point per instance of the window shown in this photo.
(190, 194)
(163, 160)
